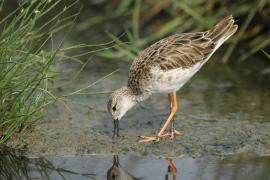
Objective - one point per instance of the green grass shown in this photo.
(266, 70)
(29, 56)
(26, 65)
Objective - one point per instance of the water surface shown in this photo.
(242, 166)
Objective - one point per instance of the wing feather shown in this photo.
(183, 51)
(178, 51)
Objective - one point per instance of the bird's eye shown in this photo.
(114, 108)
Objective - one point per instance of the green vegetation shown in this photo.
(148, 21)
(29, 55)
(26, 65)
(267, 69)
(15, 166)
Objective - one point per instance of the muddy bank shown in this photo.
(220, 113)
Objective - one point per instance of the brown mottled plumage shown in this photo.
(177, 51)
(166, 66)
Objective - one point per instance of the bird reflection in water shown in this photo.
(116, 172)
(171, 172)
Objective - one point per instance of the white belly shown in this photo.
(172, 80)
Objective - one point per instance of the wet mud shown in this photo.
(220, 113)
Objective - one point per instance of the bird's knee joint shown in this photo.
(174, 109)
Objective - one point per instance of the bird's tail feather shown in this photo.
(223, 30)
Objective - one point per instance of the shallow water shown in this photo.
(242, 166)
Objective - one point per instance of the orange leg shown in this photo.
(173, 133)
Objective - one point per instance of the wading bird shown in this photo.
(165, 67)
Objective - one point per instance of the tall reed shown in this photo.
(26, 61)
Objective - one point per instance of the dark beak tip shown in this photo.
(116, 128)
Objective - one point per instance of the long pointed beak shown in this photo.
(116, 128)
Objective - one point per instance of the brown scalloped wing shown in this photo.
(178, 51)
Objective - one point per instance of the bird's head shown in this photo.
(114, 172)
(120, 101)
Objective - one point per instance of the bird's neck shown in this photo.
(137, 97)
(141, 97)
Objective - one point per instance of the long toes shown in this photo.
(175, 133)
(145, 140)
(148, 139)
(178, 133)
(144, 137)
(166, 134)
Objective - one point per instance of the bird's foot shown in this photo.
(173, 134)
(149, 139)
